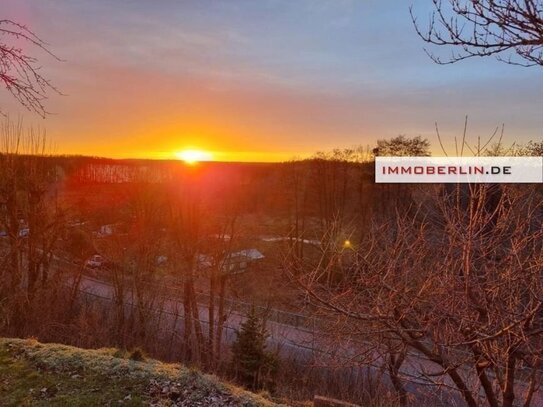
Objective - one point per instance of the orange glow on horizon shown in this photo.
(193, 156)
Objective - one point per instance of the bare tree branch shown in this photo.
(19, 72)
(512, 30)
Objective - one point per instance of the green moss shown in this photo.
(35, 374)
(24, 383)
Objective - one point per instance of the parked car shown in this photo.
(95, 261)
(161, 260)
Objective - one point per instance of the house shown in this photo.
(107, 230)
(233, 263)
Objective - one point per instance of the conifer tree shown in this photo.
(253, 365)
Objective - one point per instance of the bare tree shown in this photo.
(533, 148)
(402, 146)
(458, 284)
(479, 28)
(20, 72)
(30, 220)
(185, 223)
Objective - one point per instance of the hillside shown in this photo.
(36, 374)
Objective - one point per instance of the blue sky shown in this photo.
(260, 80)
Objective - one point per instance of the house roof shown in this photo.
(248, 255)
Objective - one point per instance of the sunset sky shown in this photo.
(263, 80)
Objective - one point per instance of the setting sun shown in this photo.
(193, 156)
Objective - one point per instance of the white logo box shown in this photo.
(459, 170)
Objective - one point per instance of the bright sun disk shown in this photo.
(193, 156)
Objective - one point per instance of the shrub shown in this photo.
(137, 354)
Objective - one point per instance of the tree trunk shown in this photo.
(394, 364)
(211, 317)
(509, 390)
(221, 319)
(187, 322)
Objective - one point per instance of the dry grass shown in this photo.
(74, 376)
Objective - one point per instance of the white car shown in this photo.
(95, 261)
(161, 260)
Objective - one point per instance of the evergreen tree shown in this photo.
(254, 367)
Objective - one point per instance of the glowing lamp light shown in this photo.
(347, 244)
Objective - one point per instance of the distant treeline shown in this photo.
(326, 188)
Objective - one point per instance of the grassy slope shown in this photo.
(34, 374)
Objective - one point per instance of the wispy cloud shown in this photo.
(259, 76)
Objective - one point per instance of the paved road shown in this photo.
(302, 344)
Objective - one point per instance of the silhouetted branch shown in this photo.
(486, 27)
(19, 72)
